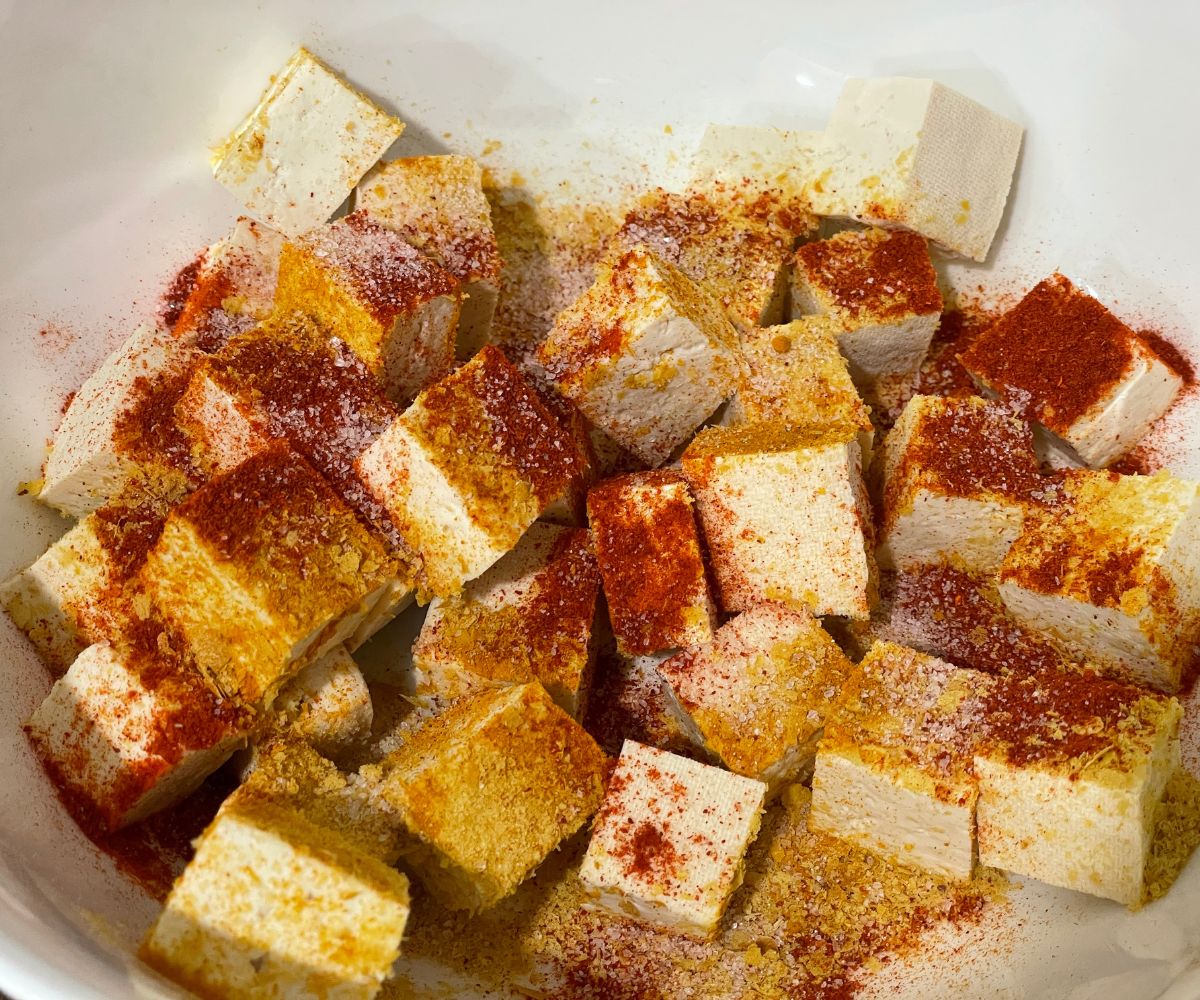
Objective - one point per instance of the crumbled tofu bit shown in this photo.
(300, 152)
(1063, 360)
(1071, 773)
(327, 704)
(529, 616)
(489, 788)
(646, 353)
(958, 478)
(468, 467)
(1109, 574)
(758, 695)
(396, 308)
(119, 436)
(669, 842)
(785, 516)
(914, 154)
(263, 570)
(437, 204)
(272, 905)
(648, 549)
(893, 768)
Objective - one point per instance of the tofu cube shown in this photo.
(757, 157)
(914, 154)
(1109, 574)
(958, 477)
(630, 699)
(489, 788)
(272, 905)
(468, 467)
(785, 516)
(437, 204)
(119, 435)
(299, 153)
(529, 616)
(1071, 774)
(648, 549)
(130, 730)
(757, 696)
(327, 704)
(669, 842)
(1101, 408)
(264, 570)
(646, 354)
(893, 768)
(396, 308)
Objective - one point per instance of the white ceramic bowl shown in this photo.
(106, 111)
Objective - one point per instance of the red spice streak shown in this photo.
(1170, 355)
(178, 292)
(649, 851)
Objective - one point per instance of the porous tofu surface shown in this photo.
(272, 906)
(650, 557)
(300, 152)
(669, 842)
(489, 788)
(646, 353)
(1062, 359)
(758, 695)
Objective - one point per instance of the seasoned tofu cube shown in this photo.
(327, 704)
(264, 570)
(893, 769)
(630, 699)
(234, 288)
(529, 616)
(468, 467)
(958, 477)
(911, 153)
(1031, 356)
(757, 696)
(273, 905)
(646, 354)
(131, 729)
(880, 289)
(437, 204)
(489, 788)
(396, 308)
(119, 435)
(785, 516)
(300, 152)
(1071, 773)
(669, 842)
(571, 507)
(1109, 574)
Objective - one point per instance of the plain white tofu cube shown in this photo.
(669, 842)
(646, 354)
(274, 906)
(912, 153)
(300, 152)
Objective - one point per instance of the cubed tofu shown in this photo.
(489, 788)
(396, 308)
(300, 152)
(529, 616)
(958, 477)
(327, 704)
(1110, 574)
(785, 516)
(893, 768)
(132, 729)
(630, 699)
(646, 354)
(757, 696)
(437, 204)
(755, 156)
(571, 507)
(273, 906)
(880, 288)
(648, 549)
(1071, 773)
(264, 570)
(669, 843)
(118, 435)
(234, 287)
(911, 153)
(468, 467)
(1030, 357)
